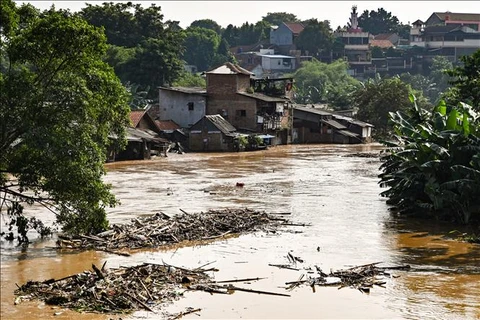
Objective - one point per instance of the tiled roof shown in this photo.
(458, 16)
(334, 124)
(296, 28)
(381, 43)
(165, 125)
(230, 68)
(136, 116)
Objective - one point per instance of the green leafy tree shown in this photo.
(188, 79)
(316, 38)
(155, 63)
(377, 97)
(318, 82)
(276, 18)
(231, 35)
(250, 33)
(379, 21)
(201, 45)
(435, 83)
(438, 75)
(156, 46)
(207, 24)
(59, 104)
(466, 81)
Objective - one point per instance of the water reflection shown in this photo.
(322, 185)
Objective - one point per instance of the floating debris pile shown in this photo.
(359, 277)
(160, 229)
(119, 290)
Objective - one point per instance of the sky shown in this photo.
(239, 12)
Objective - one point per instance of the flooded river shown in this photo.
(338, 194)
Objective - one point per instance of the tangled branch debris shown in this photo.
(160, 230)
(360, 277)
(119, 290)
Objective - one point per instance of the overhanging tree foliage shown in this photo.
(148, 50)
(59, 104)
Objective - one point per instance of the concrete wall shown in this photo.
(270, 63)
(173, 105)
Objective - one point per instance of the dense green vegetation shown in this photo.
(59, 104)
(432, 168)
(142, 48)
(377, 97)
(318, 82)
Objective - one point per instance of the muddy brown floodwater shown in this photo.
(319, 184)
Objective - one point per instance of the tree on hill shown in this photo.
(201, 45)
(377, 97)
(316, 38)
(207, 24)
(276, 18)
(59, 105)
(318, 82)
(157, 46)
(381, 21)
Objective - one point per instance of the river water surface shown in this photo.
(327, 186)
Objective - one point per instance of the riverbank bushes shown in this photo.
(433, 166)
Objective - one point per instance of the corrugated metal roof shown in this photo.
(296, 28)
(312, 110)
(192, 90)
(136, 116)
(262, 97)
(347, 133)
(230, 68)
(167, 125)
(221, 124)
(275, 56)
(351, 120)
(334, 124)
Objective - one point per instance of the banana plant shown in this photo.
(433, 165)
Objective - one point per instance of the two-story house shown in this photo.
(356, 46)
(447, 34)
(471, 20)
(185, 106)
(249, 104)
(284, 36)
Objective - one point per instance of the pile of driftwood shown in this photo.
(359, 277)
(119, 290)
(127, 289)
(160, 229)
